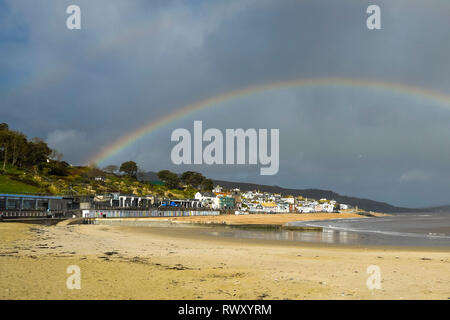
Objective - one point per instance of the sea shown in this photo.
(403, 229)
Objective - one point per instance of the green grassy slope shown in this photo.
(80, 181)
(8, 185)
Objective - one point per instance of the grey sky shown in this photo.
(135, 61)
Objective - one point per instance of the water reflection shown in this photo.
(327, 236)
(400, 230)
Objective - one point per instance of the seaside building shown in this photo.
(269, 207)
(35, 206)
(123, 201)
(208, 200)
(290, 200)
(283, 207)
(183, 203)
(34, 202)
(226, 202)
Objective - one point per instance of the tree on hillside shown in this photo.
(38, 152)
(17, 150)
(111, 168)
(5, 142)
(56, 168)
(56, 155)
(193, 179)
(13, 146)
(207, 185)
(93, 171)
(197, 180)
(130, 168)
(170, 179)
(186, 177)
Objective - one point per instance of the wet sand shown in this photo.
(274, 219)
(167, 263)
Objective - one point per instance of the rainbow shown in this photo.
(189, 109)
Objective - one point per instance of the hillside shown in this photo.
(91, 181)
(9, 185)
(81, 181)
(366, 204)
(30, 166)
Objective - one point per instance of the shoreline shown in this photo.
(188, 233)
(274, 220)
(251, 228)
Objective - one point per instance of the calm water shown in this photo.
(414, 229)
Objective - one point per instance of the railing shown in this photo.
(6, 214)
(165, 208)
(111, 213)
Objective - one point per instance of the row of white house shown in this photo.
(254, 202)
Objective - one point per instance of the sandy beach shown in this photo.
(170, 263)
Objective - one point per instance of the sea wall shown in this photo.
(138, 222)
(110, 213)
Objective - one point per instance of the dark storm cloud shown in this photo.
(135, 61)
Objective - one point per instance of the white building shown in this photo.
(303, 209)
(288, 200)
(208, 200)
(283, 207)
